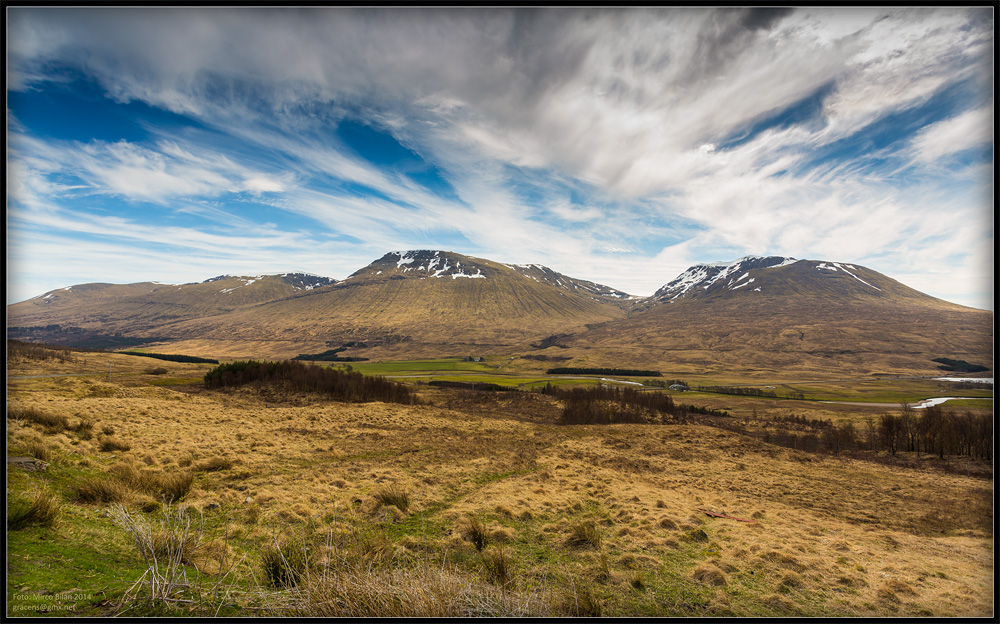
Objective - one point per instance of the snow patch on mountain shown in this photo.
(701, 277)
(834, 266)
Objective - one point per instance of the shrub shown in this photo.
(349, 386)
(41, 510)
(164, 545)
(393, 495)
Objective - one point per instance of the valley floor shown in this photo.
(535, 517)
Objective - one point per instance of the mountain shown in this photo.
(421, 302)
(141, 309)
(823, 280)
(442, 264)
(756, 314)
(775, 313)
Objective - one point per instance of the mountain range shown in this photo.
(756, 314)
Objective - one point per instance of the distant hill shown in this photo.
(760, 314)
(775, 313)
(142, 309)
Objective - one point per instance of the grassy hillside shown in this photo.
(777, 334)
(148, 308)
(387, 307)
(469, 504)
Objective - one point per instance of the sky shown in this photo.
(619, 146)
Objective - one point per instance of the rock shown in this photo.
(30, 464)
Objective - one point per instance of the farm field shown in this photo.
(471, 503)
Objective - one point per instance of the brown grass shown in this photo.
(394, 495)
(585, 534)
(42, 510)
(112, 444)
(831, 535)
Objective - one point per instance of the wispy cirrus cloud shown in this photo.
(618, 145)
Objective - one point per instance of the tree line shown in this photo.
(615, 405)
(348, 386)
(19, 350)
(745, 391)
(170, 357)
(929, 431)
(937, 432)
(621, 372)
(330, 356)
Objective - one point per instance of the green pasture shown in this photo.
(493, 370)
(418, 366)
(879, 391)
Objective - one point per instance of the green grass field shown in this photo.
(494, 370)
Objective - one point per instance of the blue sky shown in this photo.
(618, 145)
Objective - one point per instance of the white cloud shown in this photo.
(638, 106)
(970, 129)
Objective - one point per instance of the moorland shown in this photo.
(141, 490)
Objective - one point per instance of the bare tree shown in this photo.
(889, 429)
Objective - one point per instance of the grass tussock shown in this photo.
(351, 584)
(394, 495)
(499, 565)
(101, 489)
(41, 510)
(284, 562)
(123, 479)
(40, 450)
(214, 464)
(709, 574)
(474, 530)
(111, 444)
(52, 423)
(580, 601)
(85, 428)
(427, 591)
(585, 534)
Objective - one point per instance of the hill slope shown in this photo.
(780, 314)
(143, 309)
(423, 302)
(761, 314)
